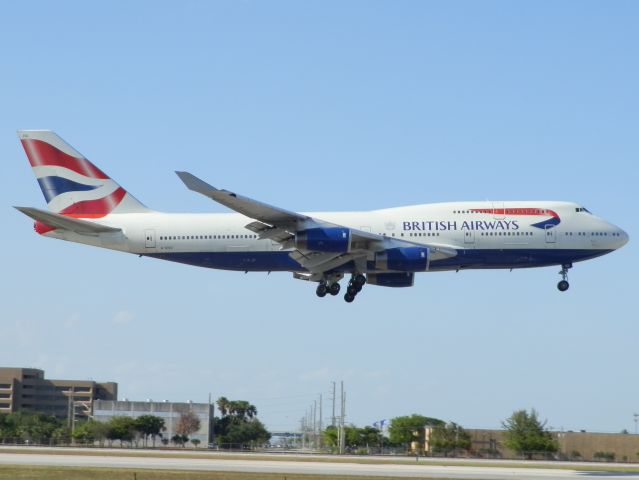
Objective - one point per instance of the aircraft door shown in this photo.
(149, 238)
(551, 234)
(469, 237)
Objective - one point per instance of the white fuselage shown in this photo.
(484, 234)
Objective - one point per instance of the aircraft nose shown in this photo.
(623, 238)
(619, 237)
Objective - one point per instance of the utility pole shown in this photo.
(314, 423)
(319, 443)
(69, 397)
(211, 420)
(333, 417)
(342, 438)
(636, 415)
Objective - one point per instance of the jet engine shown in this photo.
(333, 239)
(405, 259)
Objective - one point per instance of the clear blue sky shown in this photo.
(330, 106)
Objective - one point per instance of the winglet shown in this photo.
(196, 184)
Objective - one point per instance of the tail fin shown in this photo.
(71, 184)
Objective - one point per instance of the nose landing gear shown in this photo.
(563, 285)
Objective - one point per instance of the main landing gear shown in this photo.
(354, 287)
(563, 285)
(332, 287)
(323, 288)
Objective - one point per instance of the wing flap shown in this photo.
(322, 262)
(264, 231)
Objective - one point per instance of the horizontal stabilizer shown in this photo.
(66, 223)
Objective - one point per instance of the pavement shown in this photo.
(281, 466)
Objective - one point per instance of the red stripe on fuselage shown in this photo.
(516, 211)
(42, 154)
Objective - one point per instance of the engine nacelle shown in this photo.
(334, 239)
(405, 259)
(391, 279)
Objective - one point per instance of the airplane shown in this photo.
(384, 247)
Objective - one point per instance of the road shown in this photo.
(245, 464)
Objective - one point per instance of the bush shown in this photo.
(604, 456)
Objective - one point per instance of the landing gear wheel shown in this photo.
(334, 289)
(321, 290)
(359, 280)
(351, 290)
(348, 298)
(563, 285)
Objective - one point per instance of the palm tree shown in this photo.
(223, 405)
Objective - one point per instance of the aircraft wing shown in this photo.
(66, 223)
(244, 205)
(281, 226)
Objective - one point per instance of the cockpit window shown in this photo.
(582, 209)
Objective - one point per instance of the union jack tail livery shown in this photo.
(71, 184)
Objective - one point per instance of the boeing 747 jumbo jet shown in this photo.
(380, 247)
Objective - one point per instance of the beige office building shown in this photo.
(27, 389)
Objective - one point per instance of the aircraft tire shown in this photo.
(321, 290)
(563, 285)
(334, 289)
(348, 298)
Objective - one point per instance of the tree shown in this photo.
(449, 438)
(329, 436)
(407, 429)
(179, 439)
(121, 428)
(30, 426)
(149, 426)
(526, 434)
(243, 433)
(223, 406)
(196, 442)
(238, 424)
(89, 431)
(187, 424)
(242, 409)
(353, 436)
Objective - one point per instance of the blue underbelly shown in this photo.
(465, 259)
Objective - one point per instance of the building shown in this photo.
(623, 447)
(104, 410)
(27, 389)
